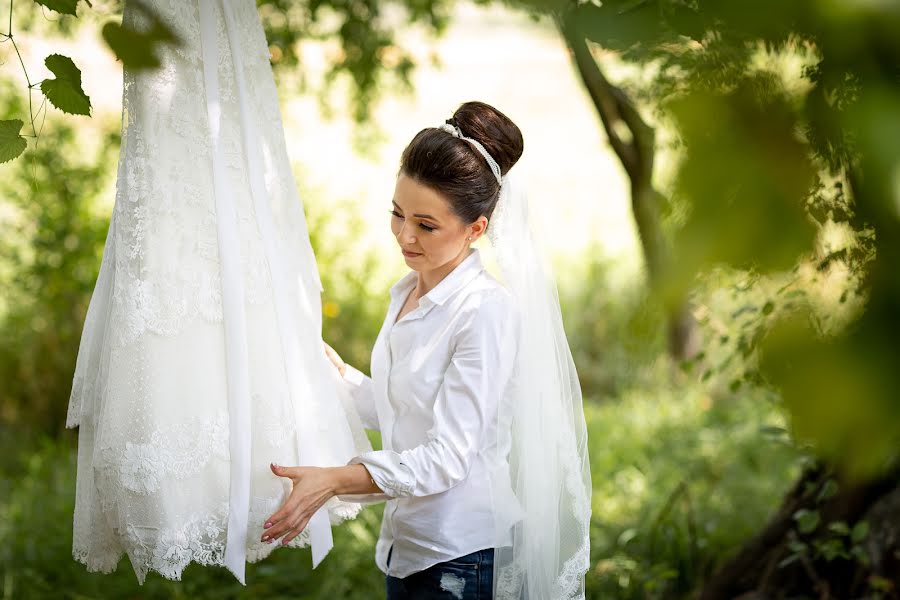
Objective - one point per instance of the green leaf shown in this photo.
(622, 24)
(773, 431)
(831, 549)
(839, 527)
(860, 532)
(841, 391)
(746, 175)
(860, 554)
(65, 91)
(880, 584)
(137, 49)
(791, 558)
(828, 490)
(65, 7)
(627, 535)
(12, 144)
(807, 520)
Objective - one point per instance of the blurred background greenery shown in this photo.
(720, 188)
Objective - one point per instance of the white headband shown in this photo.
(455, 131)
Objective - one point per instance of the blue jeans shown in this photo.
(469, 577)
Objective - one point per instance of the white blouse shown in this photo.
(438, 375)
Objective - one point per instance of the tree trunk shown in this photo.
(757, 571)
(637, 156)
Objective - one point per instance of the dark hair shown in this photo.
(455, 169)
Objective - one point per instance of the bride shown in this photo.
(484, 462)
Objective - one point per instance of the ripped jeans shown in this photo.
(469, 577)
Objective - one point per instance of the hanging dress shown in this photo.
(201, 359)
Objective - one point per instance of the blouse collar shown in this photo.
(462, 274)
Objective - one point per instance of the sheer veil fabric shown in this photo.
(542, 427)
(201, 359)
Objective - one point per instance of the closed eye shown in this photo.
(422, 225)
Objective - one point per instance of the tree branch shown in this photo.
(637, 155)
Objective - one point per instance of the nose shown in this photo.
(405, 235)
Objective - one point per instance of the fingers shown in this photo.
(301, 525)
(280, 522)
(306, 497)
(288, 525)
(287, 518)
(335, 359)
(276, 522)
(292, 473)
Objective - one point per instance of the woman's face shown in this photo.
(429, 233)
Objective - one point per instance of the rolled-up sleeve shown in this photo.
(469, 394)
(361, 391)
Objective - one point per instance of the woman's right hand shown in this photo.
(335, 359)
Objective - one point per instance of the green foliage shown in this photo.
(841, 395)
(138, 48)
(686, 465)
(807, 520)
(748, 177)
(65, 7)
(680, 477)
(616, 336)
(770, 100)
(354, 279)
(49, 257)
(371, 59)
(12, 144)
(812, 540)
(366, 58)
(65, 91)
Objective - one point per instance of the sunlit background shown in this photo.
(695, 442)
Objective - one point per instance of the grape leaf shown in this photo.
(807, 520)
(859, 532)
(65, 91)
(137, 48)
(12, 144)
(65, 7)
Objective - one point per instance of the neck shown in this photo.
(429, 279)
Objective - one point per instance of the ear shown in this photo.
(477, 229)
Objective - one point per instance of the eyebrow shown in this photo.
(421, 216)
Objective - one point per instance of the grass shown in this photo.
(679, 481)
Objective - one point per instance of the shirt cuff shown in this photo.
(392, 476)
(353, 375)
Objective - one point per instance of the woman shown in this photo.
(447, 374)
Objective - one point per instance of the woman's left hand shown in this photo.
(313, 486)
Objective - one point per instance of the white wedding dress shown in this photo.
(201, 359)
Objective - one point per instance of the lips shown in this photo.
(411, 254)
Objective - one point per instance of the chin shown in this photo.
(413, 263)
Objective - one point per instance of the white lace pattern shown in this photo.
(149, 391)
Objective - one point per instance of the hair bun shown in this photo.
(494, 130)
